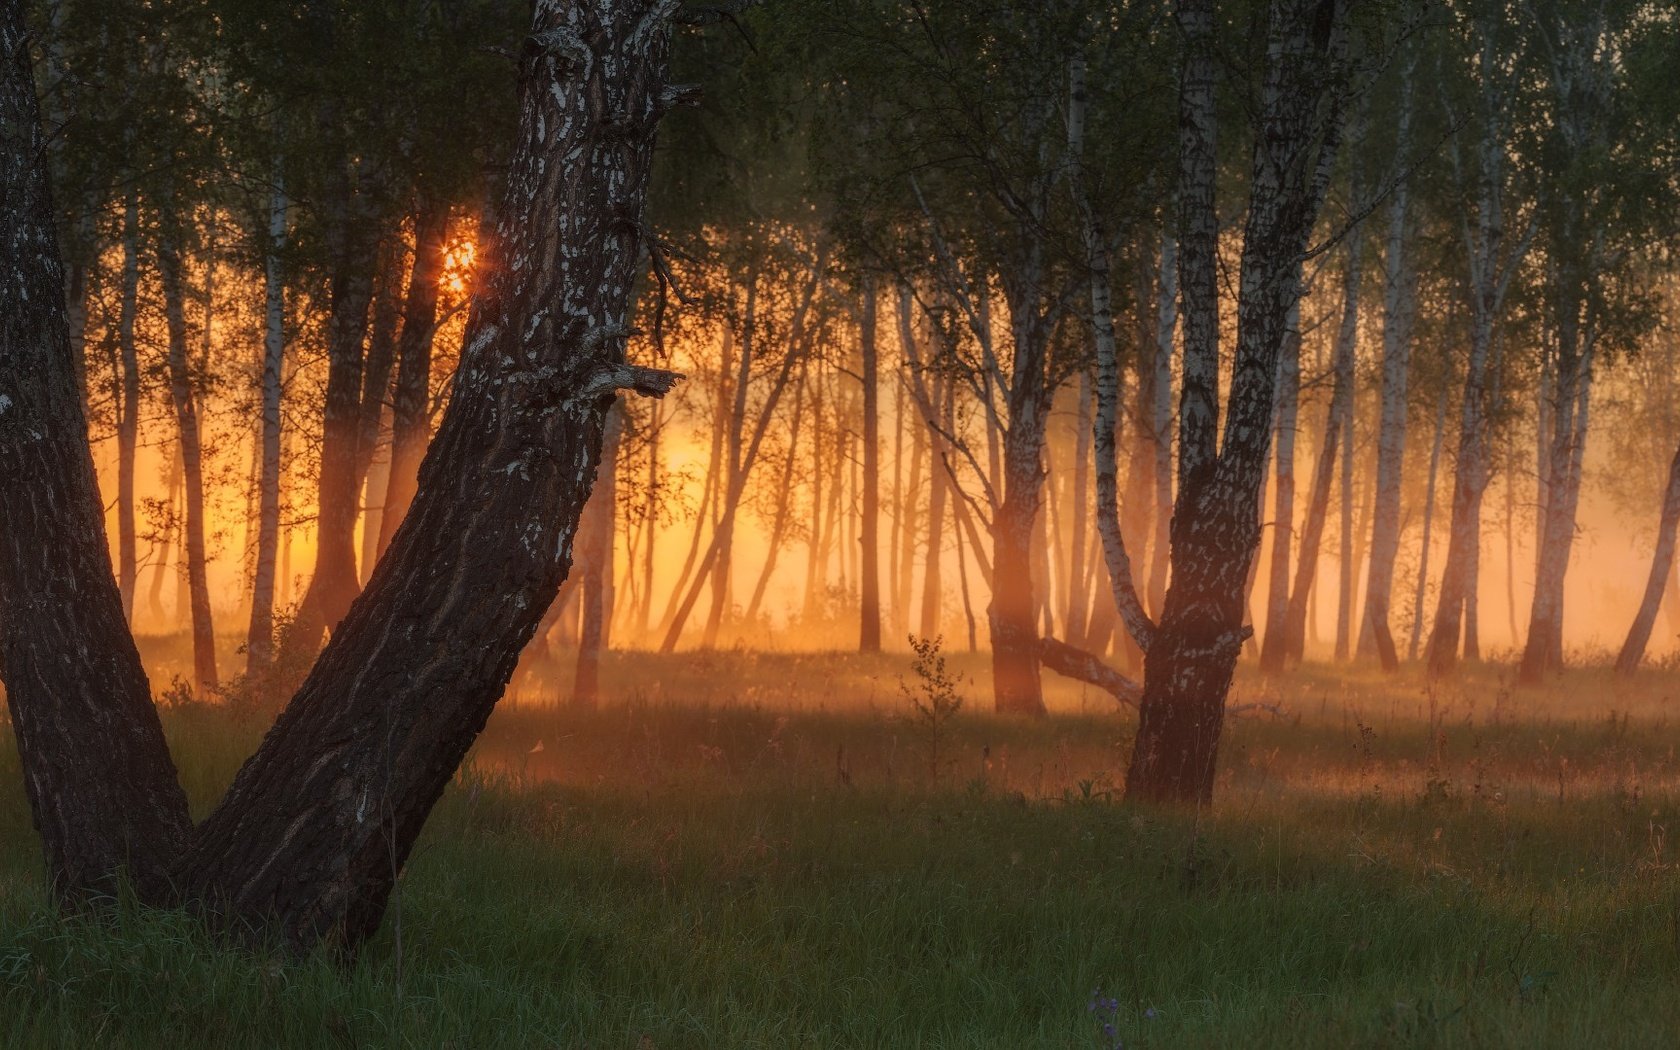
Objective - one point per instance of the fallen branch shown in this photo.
(1076, 663)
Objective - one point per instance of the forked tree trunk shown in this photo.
(192, 466)
(1190, 661)
(316, 826)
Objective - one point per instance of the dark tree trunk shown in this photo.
(869, 588)
(597, 532)
(335, 583)
(1338, 426)
(410, 425)
(259, 639)
(192, 467)
(1662, 571)
(100, 782)
(1190, 661)
(1274, 646)
(128, 402)
(310, 838)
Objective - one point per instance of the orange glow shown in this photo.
(458, 266)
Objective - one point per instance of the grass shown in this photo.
(748, 850)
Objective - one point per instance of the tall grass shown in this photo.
(749, 851)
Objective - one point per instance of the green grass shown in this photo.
(749, 851)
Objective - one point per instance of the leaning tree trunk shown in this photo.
(310, 838)
(100, 782)
(1662, 572)
(1191, 659)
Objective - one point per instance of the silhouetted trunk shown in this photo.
(334, 583)
(735, 479)
(1274, 646)
(869, 587)
(1661, 578)
(933, 550)
(1193, 654)
(1079, 593)
(784, 503)
(410, 424)
(1428, 522)
(1572, 388)
(596, 541)
(1338, 425)
(128, 401)
(192, 466)
(1491, 270)
(259, 639)
(1376, 634)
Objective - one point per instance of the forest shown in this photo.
(839, 523)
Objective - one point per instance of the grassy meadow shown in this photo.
(753, 850)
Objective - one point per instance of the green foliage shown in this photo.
(934, 699)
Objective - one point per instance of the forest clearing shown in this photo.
(770, 863)
(839, 523)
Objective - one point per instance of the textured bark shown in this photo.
(259, 639)
(185, 403)
(1662, 573)
(316, 826)
(319, 821)
(869, 587)
(1161, 401)
(1198, 239)
(1108, 394)
(410, 425)
(99, 779)
(1190, 661)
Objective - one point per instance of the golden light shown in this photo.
(458, 266)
